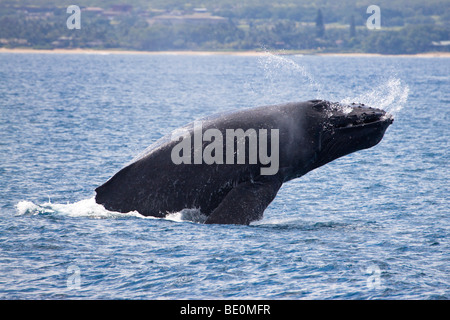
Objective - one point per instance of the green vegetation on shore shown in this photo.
(407, 27)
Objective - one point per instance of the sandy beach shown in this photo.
(419, 55)
(205, 53)
(93, 51)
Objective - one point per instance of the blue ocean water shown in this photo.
(371, 225)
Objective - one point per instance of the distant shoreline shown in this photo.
(206, 53)
(102, 51)
(419, 55)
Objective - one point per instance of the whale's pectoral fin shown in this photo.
(246, 202)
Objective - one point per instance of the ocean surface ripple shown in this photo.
(371, 225)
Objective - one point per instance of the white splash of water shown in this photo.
(334, 106)
(89, 208)
(83, 208)
(286, 69)
(390, 96)
(192, 215)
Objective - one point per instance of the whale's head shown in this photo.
(342, 129)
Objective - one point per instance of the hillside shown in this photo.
(306, 26)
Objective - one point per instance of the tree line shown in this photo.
(242, 32)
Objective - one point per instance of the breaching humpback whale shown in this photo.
(231, 166)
